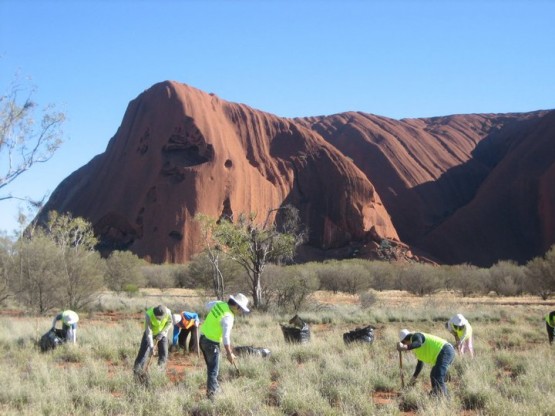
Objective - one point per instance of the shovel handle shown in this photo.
(401, 369)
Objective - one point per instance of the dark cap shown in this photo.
(160, 310)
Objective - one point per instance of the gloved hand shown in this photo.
(402, 347)
(159, 337)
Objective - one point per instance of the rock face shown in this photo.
(180, 151)
(466, 188)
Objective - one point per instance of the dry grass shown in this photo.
(324, 377)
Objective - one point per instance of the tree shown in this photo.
(541, 274)
(23, 142)
(56, 265)
(253, 245)
(5, 266)
(36, 274)
(123, 272)
(208, 226)
(506, 278)
(200, 274)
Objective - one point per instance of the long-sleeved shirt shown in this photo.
(417, 341)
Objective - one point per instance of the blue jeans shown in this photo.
(145, 352)
(439, 370)
(550, 332)
(211, 352)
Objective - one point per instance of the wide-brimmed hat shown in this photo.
(403, 333)
(459, 320)
(70, 317)
(241, 300)
(176, 318)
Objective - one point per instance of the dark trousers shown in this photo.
(182, 338)
(439, 370)
(550, 332)
(211, 352)
(145, 352)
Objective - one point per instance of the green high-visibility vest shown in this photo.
(460, 332)
(156, 325)
(212, 327)
(550, 322)
(430, 349)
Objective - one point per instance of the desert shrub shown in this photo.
(348, 276)
(540, 275)
(200, 274)
(506, 278)
(288, 287)
(383, 274)
(368, 299)
(123, 270)
(6, 259)
(465, 278)
(37, 276)
(419, 279)
(159, 276)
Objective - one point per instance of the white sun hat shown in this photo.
(459, 320)
(70, 317)
(403, 334)
(241, 300)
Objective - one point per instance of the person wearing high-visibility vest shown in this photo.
(431, 350)
(69, 325)
(550, 326)
(184, 324)
(215, 329)
(158, 321)
(459, 327)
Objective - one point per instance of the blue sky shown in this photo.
(395, 58)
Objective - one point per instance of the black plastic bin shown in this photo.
(295, 334)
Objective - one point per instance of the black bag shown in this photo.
(298, 331)
(51, 339)
(247, 350)
(365, 334)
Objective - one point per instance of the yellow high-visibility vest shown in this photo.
(212, 327)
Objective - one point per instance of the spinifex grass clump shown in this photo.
(510, 374)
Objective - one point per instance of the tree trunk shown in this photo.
(256, 290)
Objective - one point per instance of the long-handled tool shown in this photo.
(236, 368)
(143, 375)
(401, 369)
(198, 344)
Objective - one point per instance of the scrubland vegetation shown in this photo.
(509, 375)
(48, 270)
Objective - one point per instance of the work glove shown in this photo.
(159, 337)
(402, 347)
